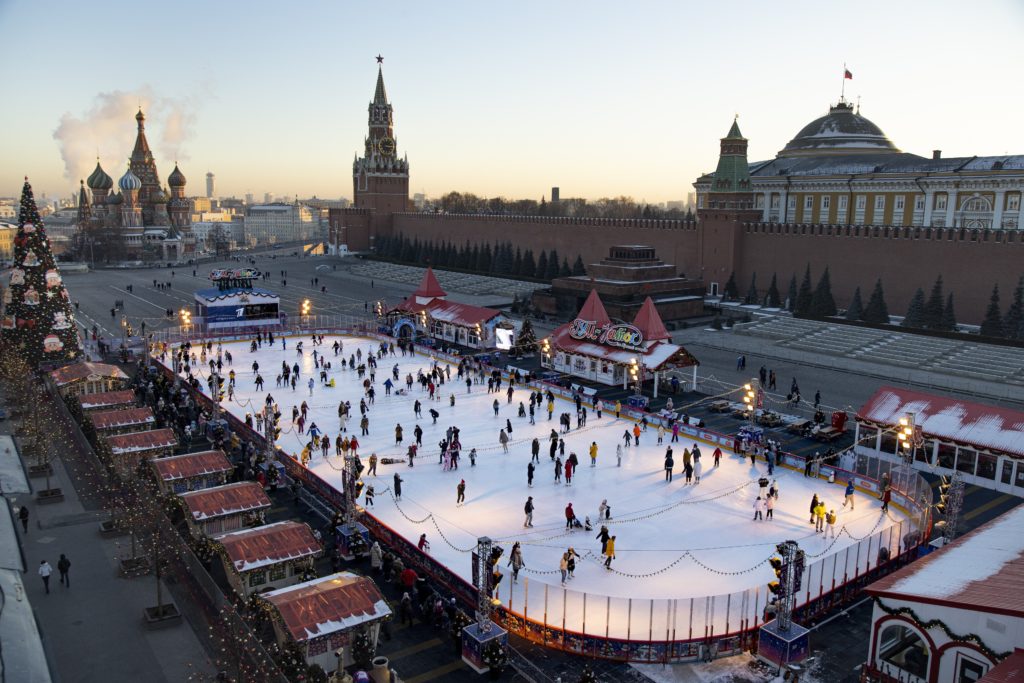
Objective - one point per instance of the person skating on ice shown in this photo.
(814, 504)
(515, 560)
(603, 536)
(529, 474)
(669, 464)
(759, 507)
(571, 557)
(609, 553)
(593, 454)
(558, 470)
(570, 516)
(830, 524)
(849, 493)
(528, 509)
(460, 497)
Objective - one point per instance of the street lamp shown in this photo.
(307, 306)
(634, 375)
(905, 434)
(185, 320)
(545, 352)
(749, 399)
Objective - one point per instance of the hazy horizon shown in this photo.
(599, 99)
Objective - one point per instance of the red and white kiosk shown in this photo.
(594, 348)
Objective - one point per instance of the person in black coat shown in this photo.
(398, 486)
(603, 536)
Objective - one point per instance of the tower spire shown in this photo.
(380, 95)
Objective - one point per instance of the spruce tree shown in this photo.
(731, 293)
(876, 311)
(823, 305)
(856, 309)
(552, 265)
(1015, 314)
(805, 296)
(772, 299)
(577, 267)
(526, 341)
(915, 316)
(933, 309)
(542, 266)
(992, 325)
(517, 263)
(791, 294)
(38, 325)
(751, 297)
(529, 267)
(565, 270)
(484, 264)
(949, 315)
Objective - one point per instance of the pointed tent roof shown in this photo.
(429, 286)
(141, 144)
(380, 96)
(649, 322)
(734, 132)
(593, 309)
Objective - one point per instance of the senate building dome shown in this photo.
(841, 131)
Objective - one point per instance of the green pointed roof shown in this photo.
(734, 132)
(380, 96)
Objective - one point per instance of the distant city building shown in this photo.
(210, 185)
(272, 223)
(268, 197)
(200, 204)
(7, 233)
(248, 198)
(419, 200)
(555, 195)
(8, 209)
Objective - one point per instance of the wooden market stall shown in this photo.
(268, 557)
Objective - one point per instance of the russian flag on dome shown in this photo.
(847, 74)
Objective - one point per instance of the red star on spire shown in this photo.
(380, 60)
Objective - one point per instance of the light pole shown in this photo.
(307, 306)
(907, 437)
(185, 320)
(750, 399)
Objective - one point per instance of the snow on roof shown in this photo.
(982, 570)
(465, 315)
(229, 499)
(974, 424)
(137, 442)
(126, 417)
(254, 548)
(215, 294)
(653, 354)
(79, 371)
(191, 465)
(105, 399)
(332, 603)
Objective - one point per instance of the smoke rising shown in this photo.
(107, 129)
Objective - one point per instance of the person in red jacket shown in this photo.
(569, 516)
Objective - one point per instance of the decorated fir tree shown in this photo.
(38, 322)
(526, 341)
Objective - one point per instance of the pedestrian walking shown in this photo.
(45, 570)
(64, 566)
(23, 516)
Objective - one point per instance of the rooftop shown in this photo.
(332, 603)
(191, 465)
(113, 419)
(225, 500)
(104, 399)
(137, 442)
(254, 548)
(974, 424)
(79, 371)
(983, 570)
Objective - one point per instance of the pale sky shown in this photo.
(599, 98)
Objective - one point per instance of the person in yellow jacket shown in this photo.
(609, 553)
(551, 409)
(618, 408)
(593, 454)
(305, 455)
(819, 517)
(830, 524)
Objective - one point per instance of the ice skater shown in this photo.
(528, 509)
(669, 464)
(529, 474)
(609, 553)
(759, 507)
(515, 561)
(830, 524)
(849, 494)
(460, 498)
(593, 454)
(398, 487)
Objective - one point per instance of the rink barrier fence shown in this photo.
(687, 628)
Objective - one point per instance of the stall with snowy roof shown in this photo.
(268, 557)
(123, 421)
(128, 450)
(224, 508)
(955, 614)
(984, 443)
(594, 348)
(192, 471)
(427, 314)
(107, 400)
(79, 379)
(323, 615)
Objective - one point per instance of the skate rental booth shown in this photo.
(985, 444)
(594, 348)
(427, 315)
(234, 302)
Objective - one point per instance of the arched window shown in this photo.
(977, 204)
(902, 648)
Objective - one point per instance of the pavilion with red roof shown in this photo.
(427, 313)
(594, 348)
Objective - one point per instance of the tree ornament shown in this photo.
(52, 344)
(60, 321)
(31, 297)
(31, 260)
(29, 228)
(17, 276)
(52, 278)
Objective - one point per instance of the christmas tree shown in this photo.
(38, 322)
(526, 341)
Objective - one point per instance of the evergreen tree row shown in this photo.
(502, 259)
(1010, 326)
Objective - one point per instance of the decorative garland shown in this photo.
(494, 655)
(932, 623)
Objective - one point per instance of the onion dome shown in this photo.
(129, 181)
(842, 131)
(177, 178)
(115, 199)
(99, 180)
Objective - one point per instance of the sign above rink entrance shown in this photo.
(621, 335)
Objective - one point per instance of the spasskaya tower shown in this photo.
(380, 178)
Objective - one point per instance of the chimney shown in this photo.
(936, 154)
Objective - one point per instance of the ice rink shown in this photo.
(673, 541)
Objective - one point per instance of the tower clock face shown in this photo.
(386, 146)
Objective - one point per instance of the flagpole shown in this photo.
(842, 92)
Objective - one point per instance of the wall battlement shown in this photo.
(648, 223)
(886, 232)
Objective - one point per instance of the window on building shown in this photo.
(842, 203)
(900, 199)
(257, 578)
(808, 203)
(826, 202)
(700, 201)
(947, 456)
(902, 648)
(919, 203)
(791, 202)
(977, 204)
(1013, 202)
(579, 364)
(940, 202)
(880, 202)
(775, 201)
(862, 202)
(966, 459)
(474, 338)
(759, 201)
(279, 571)
(987, 465)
